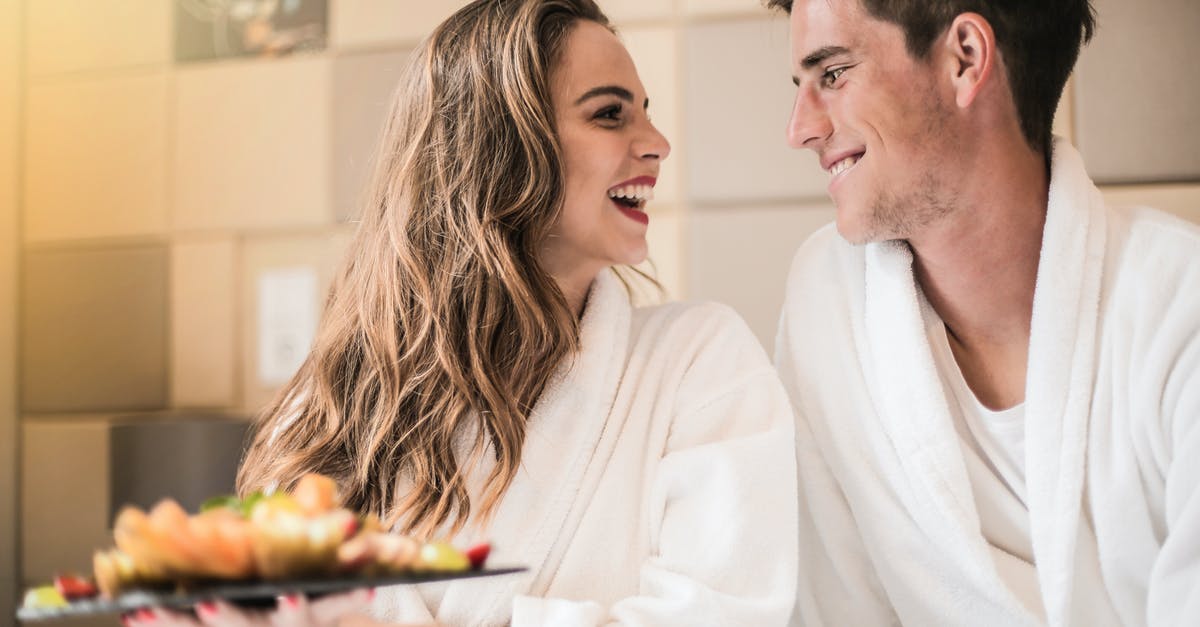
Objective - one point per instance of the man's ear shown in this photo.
(971, 52)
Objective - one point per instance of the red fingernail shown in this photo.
(144, 615)
(207, 607)
(370, 594)
(291, 601)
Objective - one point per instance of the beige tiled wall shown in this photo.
(363, 85)
(204, 324)
(741, 254)
(252, 144)
(94, 328)
(64, 495)
(1149, 49)
(95, 156)
(70, 36)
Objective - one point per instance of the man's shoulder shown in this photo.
(1146, 228)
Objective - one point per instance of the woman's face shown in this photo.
(611, 155)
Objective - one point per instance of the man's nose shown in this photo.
(809, 125)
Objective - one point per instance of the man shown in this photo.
(997, 377)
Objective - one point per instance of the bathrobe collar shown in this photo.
(914, 411)
(566, 429)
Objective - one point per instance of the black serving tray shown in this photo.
(258, 594)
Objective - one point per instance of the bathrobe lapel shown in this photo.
(1061, 373)
(915, 415)
(567, 434)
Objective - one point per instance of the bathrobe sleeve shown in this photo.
(721, 499)
(1174, 589)
(837, 582)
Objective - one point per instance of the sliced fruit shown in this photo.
(73, 587)
(315, 494)
(441, 557)
(225, 501)
(478, 554)
(43, 597)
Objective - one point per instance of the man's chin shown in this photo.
(854, 232)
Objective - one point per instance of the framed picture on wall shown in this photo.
(215, 29)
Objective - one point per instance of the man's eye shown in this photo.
(831, 76)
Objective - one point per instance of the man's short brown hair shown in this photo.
(1039, 41)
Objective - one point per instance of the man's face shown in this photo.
(881, 122)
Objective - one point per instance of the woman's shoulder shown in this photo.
(694, 331)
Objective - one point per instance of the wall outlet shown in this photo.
(287, 322)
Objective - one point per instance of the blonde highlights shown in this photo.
(442, 329)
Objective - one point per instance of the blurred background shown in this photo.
(178, 182)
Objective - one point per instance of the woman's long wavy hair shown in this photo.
(443, 327)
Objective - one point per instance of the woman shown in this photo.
(480, 372)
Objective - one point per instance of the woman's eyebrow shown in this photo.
(607, 90)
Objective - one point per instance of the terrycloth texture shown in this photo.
(891, 531)
(657, 487)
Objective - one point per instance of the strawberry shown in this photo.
(72, 587)
(478, 554)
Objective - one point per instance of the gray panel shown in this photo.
(186, 458)
(64, 496)
(741, 257)
(1138, 93)
(738, 96)
(94, 328)
(363, 85)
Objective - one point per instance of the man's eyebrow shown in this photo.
(820, 54)
(607, 90)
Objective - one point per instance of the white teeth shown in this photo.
(633, 192)
(842, 166)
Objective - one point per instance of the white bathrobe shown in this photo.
(890, 529)
(657, 485)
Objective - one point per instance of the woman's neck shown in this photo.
(574, 286)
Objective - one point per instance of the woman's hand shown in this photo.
(290, 611)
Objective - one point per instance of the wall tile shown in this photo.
(252, 144)
(655, 52)
(363, 88)
(723, 7)
(667, 247)
(622, 11)
(79, 35)
(1126, 130)
(95, 329)
(738, 108)
(95, 155)
(204, 322)
(1064, 116)
(322, 254)
(64, 496)
(1182, 200)
(742, 256)
(371, 23)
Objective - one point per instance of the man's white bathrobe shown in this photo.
(890, 525)
(657, 484)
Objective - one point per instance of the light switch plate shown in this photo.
(287, 321)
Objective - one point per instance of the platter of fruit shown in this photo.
(249, 551)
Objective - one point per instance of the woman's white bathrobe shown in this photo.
(657, 484)
(890, 529)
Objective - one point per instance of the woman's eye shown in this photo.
(609, 114)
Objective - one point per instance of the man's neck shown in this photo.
(978, 268)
